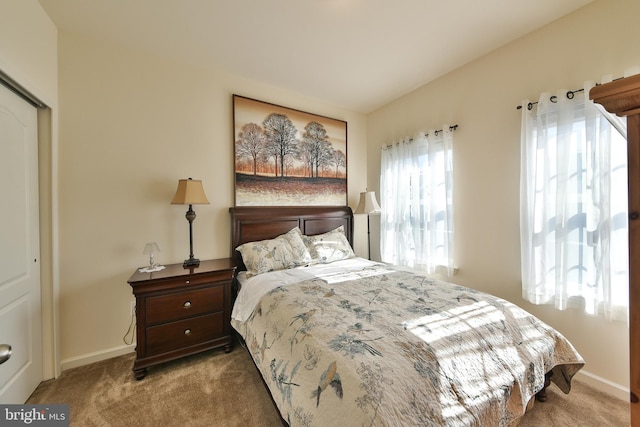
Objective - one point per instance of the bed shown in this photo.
(340, 340)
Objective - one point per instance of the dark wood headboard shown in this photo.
(253, 223)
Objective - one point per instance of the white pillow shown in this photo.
(329, 247)
(300, 251)
(285, 251)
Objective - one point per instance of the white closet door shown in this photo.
(20, 318)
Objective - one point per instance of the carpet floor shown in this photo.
(219, 389)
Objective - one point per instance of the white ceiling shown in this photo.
(356, 54)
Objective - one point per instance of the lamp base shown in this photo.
(191, 262)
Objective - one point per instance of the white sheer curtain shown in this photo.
(416, 223)
(573, 206)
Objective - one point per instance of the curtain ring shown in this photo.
(554, 99)
(530, 106)
(570, 94)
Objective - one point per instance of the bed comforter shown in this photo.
(360, 344)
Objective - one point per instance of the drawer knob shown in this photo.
(187, 282)
(187, 304)
(187, 331)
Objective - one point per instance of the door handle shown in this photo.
(5, 353)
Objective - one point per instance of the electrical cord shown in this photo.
(132, 328)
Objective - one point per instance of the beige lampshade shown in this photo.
(368, 204)
(190, 192)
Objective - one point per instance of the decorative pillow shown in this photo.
(330, 246)
(285, 251)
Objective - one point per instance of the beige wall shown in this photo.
(481, 98)
(28, 48)
(131, 125)
(29, 55)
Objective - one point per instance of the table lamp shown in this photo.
(151, 249)
(190, 192)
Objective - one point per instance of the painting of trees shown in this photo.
(251, 142)
(316, 141)
(281, 138)
(287, 157)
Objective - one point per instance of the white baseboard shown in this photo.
(88, 358)
(603, 385)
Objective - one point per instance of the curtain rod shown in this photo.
(451, 128)
(570, 94)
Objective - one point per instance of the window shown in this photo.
(416, 198)
(574, 230)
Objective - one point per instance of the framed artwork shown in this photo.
(286, 157)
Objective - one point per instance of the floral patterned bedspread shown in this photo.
(389, 348)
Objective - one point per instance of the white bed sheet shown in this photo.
(254, 288)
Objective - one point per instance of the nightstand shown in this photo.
(182, 311)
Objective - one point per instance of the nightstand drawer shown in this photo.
(184, 333)
(166, 308)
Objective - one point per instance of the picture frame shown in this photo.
(287, 157)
